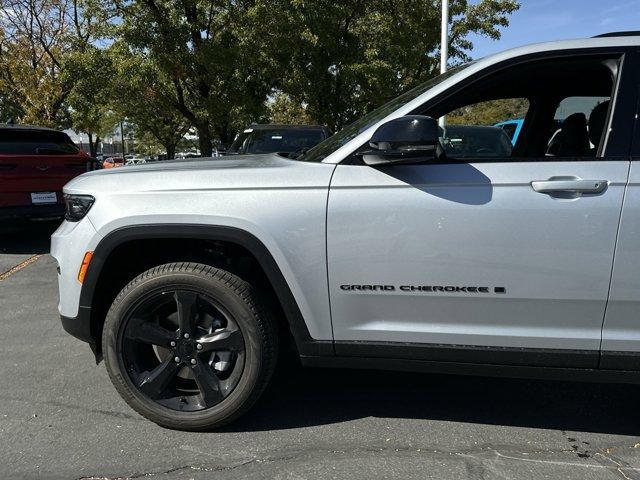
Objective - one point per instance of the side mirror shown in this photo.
(409, 139)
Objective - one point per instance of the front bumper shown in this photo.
(69, 243)
(80, 327)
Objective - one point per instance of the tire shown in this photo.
(179, 382)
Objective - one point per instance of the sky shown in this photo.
(546, 20)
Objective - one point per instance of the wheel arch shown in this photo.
(304, 343)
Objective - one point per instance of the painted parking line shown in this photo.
(20, 266)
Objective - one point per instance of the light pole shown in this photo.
(444, 44)
(122, 140)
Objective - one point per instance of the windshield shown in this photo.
(331, 144)
(276, 140)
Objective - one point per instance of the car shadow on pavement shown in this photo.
(26, 238)
(310, 397)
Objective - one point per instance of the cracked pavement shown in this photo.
(60, 418)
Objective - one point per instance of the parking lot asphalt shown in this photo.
(61, 418)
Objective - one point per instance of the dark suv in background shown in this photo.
(35, 163)
(272, 138)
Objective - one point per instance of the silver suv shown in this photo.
(391, 245)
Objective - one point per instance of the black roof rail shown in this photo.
(628, 33)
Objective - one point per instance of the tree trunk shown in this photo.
(225, 135)
(204, 139)
(171, 151)
(92, 145)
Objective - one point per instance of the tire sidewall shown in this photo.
(236, 306)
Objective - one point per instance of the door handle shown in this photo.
(569, 185)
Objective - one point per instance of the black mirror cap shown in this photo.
(405, 140)
(406, 133)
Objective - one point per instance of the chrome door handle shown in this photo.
(569, 185)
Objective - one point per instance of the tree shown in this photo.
(206, 50)
(143, 94)
(36, 37)
(89, 71)
(347, 58)
(32, 43)
(283, 109)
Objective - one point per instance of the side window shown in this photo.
(540, 109)
(484, 129)
(578, 126)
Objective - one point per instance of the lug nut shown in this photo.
(177, 359)
(186, 335)
(173, 344)
(199, 347)
(193, 361)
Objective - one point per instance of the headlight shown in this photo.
(77, 206)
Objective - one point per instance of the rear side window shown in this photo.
(26, 142)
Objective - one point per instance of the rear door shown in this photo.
(621, 330)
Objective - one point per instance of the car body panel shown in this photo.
(621, 331)
(69, 244)
(229, 192)
(479, 225)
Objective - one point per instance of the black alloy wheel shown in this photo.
(189, 346)
(183, 350)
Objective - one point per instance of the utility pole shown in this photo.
(444, 43)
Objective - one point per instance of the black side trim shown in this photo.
(620, 360)
(305, 344)
(470, 354)
(453, 368)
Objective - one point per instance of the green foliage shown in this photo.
(489, 113)
(207, 50)
(142, 93)
(36, 39)
(89, 72)
(31, 47)
(217, 65)
(348, 57)
(283, 109)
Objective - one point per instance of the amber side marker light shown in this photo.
(85, 265)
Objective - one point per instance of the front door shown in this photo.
(494, 254)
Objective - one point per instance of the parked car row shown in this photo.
(36, 162)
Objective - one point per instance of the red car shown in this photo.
(35, 163)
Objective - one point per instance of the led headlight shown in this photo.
(77, 206)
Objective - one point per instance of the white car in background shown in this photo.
(135, 159)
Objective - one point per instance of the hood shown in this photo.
(237, 161)
(237, 172)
